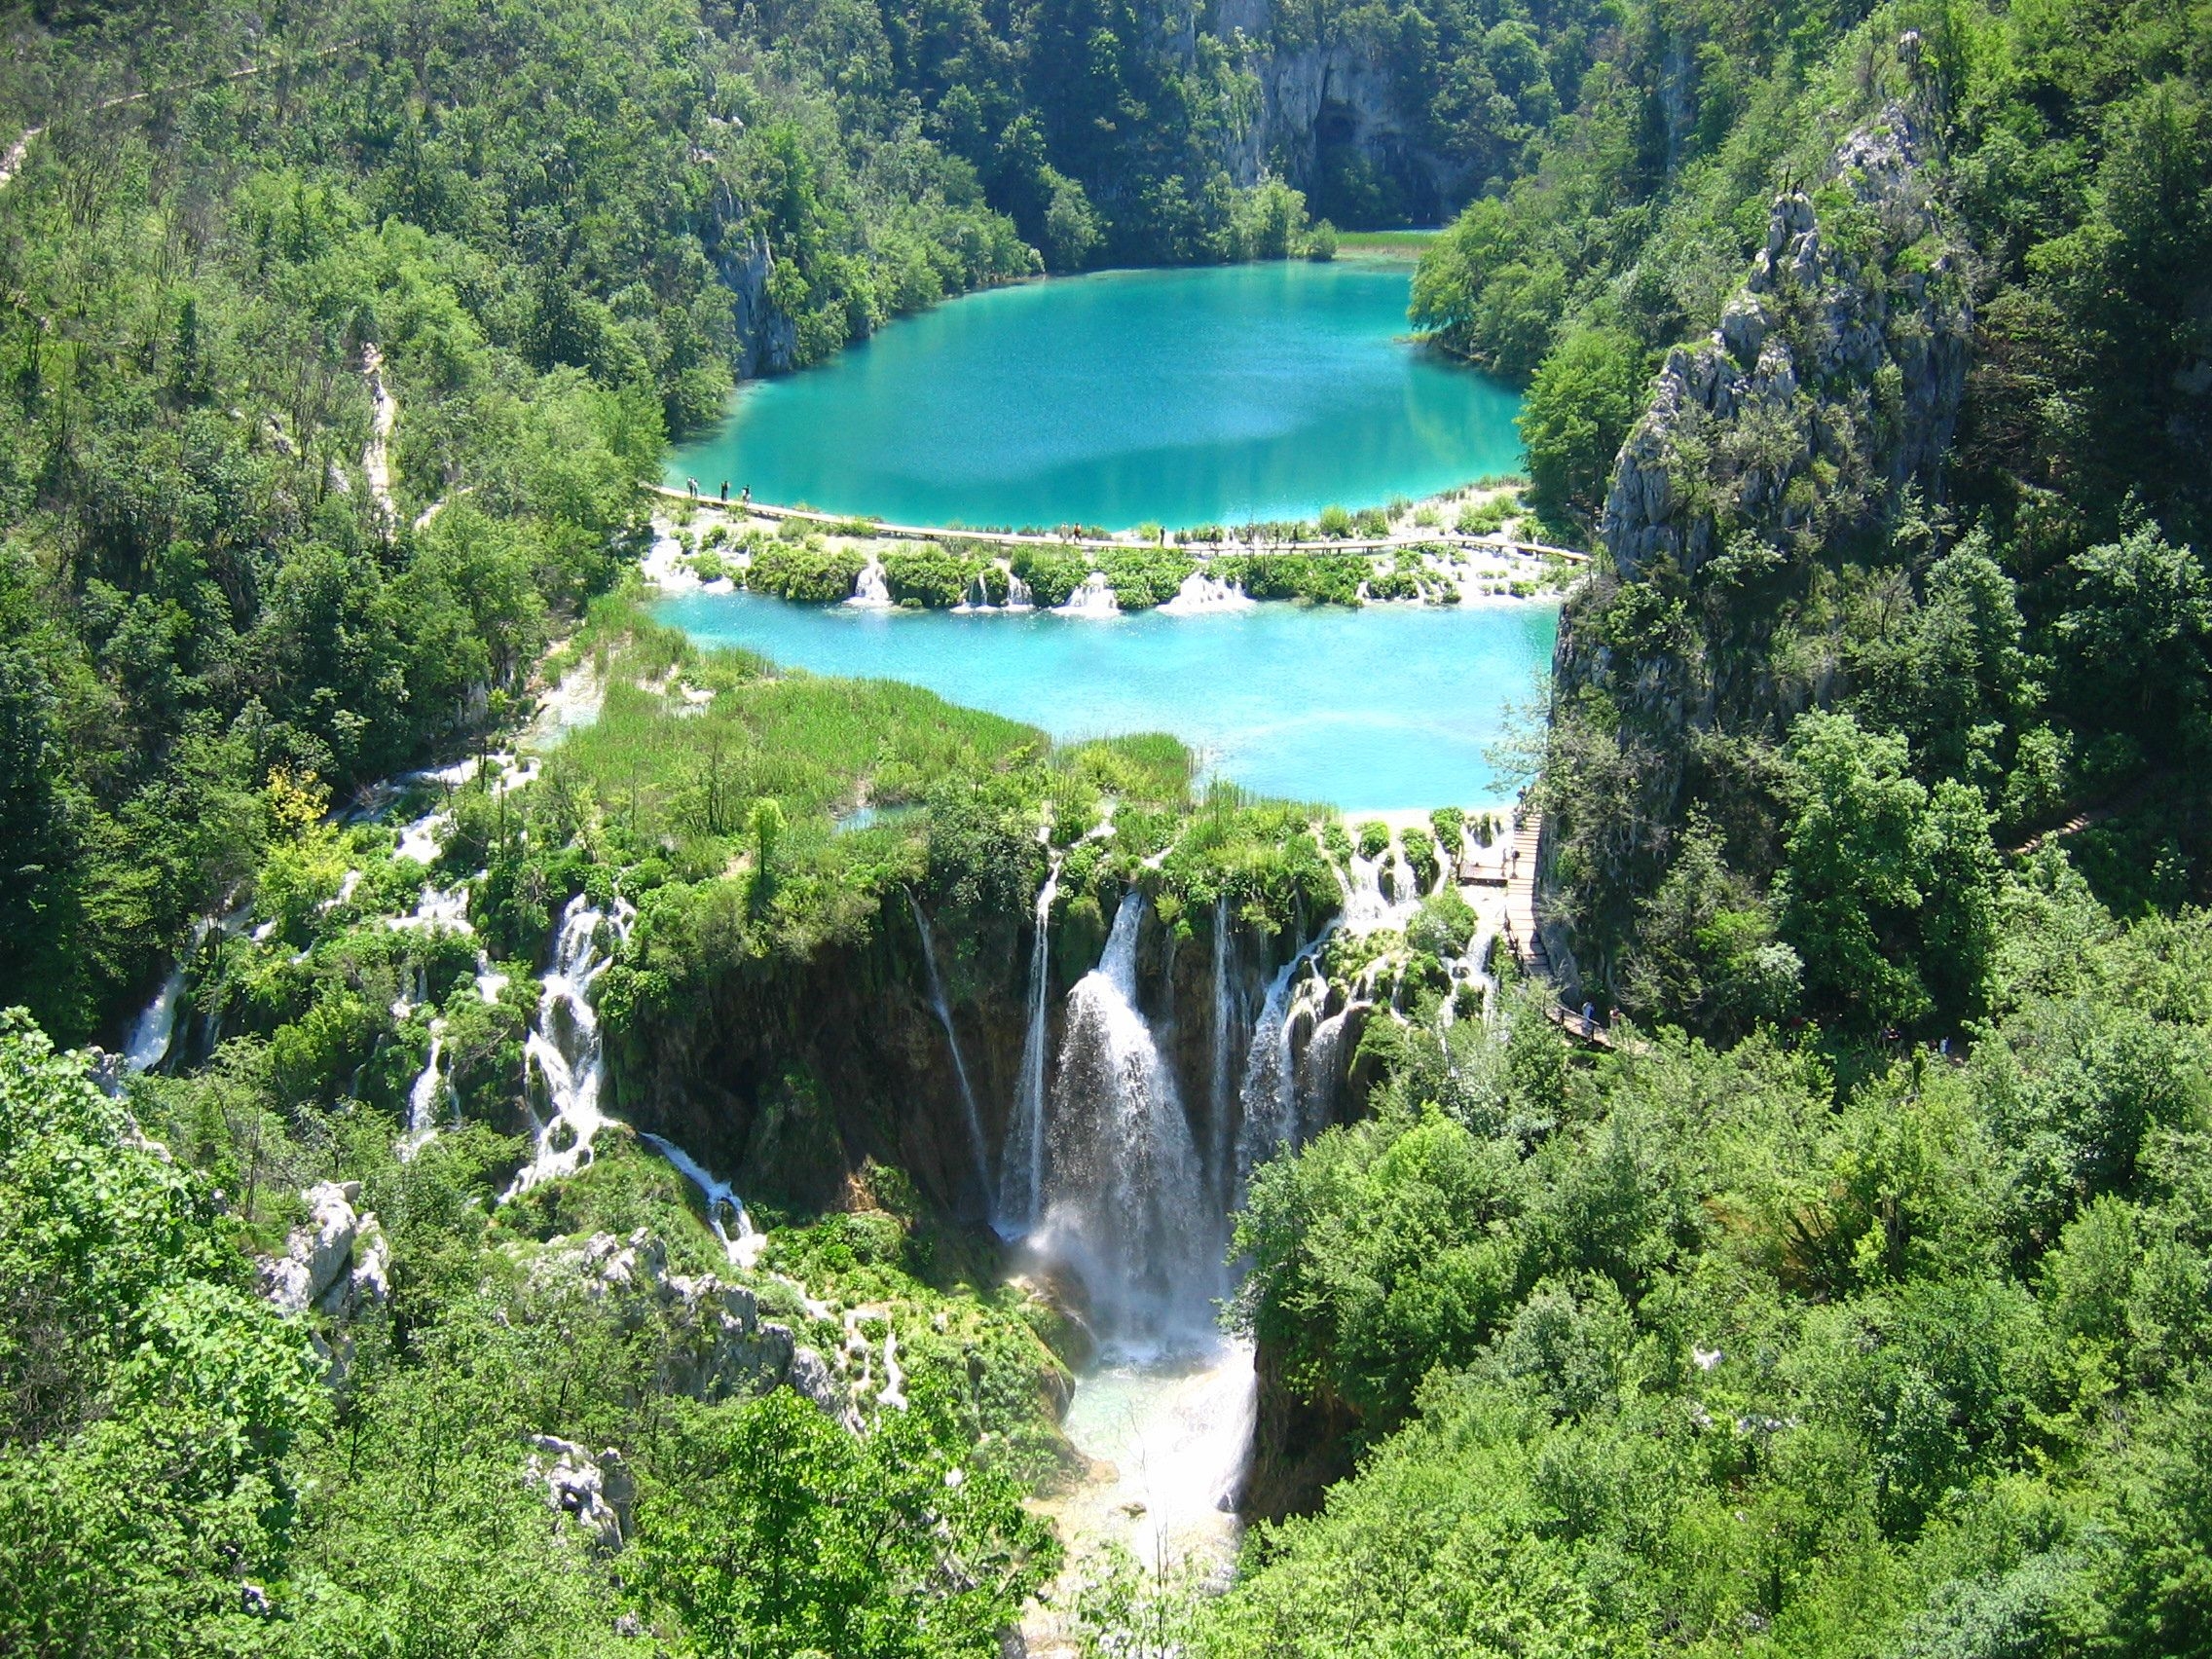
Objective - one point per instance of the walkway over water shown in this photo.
(860, 529)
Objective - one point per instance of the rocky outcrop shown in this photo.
(1334, 96)
(767, 341)
(1301, 1446)
(1791, 440)
(338, 1262)
(1840, 368)
(715, 1344)
(596, 1490)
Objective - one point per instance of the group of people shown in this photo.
(744, 497)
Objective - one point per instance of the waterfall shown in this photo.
(1201, 594)
(564, 1050)
(870, 591)
(155, 1028)
(952, 1037)
(974, 597)
(423, 1098)
(1125, 1203)
(1268, 1098)
(1224, 1026)
(1021, 1173)
(743, 1248)
(148, 1045)
(1093, 597)
(1017, 594)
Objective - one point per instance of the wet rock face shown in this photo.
(1833, 378)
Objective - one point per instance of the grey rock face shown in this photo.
(596, 1489)
(338, 1262)
(1819, 359)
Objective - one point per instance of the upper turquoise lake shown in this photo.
(1217, 395)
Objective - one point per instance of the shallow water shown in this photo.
(1224, 394)
(1388, 706)
(1168, 1434)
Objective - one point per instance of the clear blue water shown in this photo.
(1389, 705)
(1177, 397)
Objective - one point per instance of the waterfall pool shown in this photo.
(1385, 707)
(1219, 394)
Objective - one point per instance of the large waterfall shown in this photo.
(1126, 1203)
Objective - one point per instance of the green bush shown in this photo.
(807, 574)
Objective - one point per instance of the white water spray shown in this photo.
(870, 591)
(742, 1241)
(431, 1089)
(565, 1050)
(1093, 596)
(1126, 1201)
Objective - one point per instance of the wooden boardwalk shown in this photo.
(1195, 549)
(1521, 935)
(1527, 941)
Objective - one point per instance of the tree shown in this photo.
(778, 1533)
(1578, 408)
(1886, 887)
(2136, 635)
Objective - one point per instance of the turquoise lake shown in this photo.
(1219, 395)
(1385, 707)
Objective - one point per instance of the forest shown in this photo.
(1853, 1299)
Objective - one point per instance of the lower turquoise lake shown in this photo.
(1225, 395)
(1385, 707)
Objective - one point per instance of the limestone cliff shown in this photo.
(1784, 448)
(1335, 98)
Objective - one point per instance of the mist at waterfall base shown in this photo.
(1385, 707)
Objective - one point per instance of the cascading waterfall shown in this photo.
(743, 1245)
(1201, 595)
(150, 1034)
(871, 590)
(565, 1050)
(1017, 594)
(1021, 1173)
(1269, 1097)
(1094, 596)
(430, 1090)
(952, 1037)
(1126, 1201)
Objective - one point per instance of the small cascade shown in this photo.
(430, 1090)
(151, 1033)
(1203, 595)
(565, 1050)
(1126, 1201)
(155, 1029)
(741, 1239)
(1017, 594)
(1093, 597)
(871, 590)
(1022, 1172)
(1268, 1100)
(952, 1037)
(973, 597)
(1225, 1023)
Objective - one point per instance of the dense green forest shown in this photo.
(1853, 1301)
